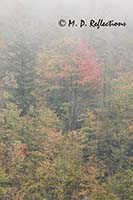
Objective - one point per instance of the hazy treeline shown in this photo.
(65, 102)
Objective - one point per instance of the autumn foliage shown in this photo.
(85, 67)
(65, 129)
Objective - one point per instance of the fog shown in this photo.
(39, 18)
(49, 9)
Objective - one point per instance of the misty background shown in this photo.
(48, 11)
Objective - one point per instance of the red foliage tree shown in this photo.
(85, 67)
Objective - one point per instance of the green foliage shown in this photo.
(65, 134)
(121, 184)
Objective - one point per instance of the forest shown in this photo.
(65, 110)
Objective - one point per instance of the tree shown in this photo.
(121, 184)
(75, 73)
